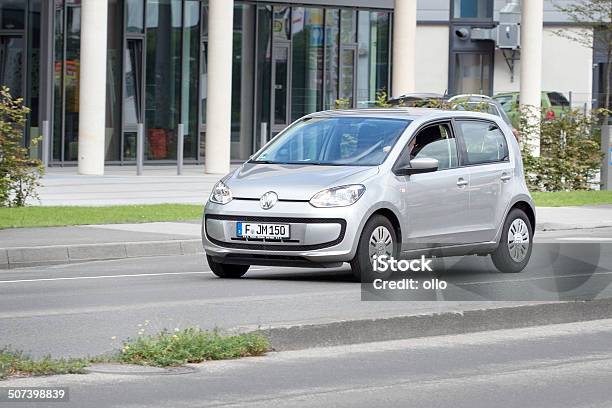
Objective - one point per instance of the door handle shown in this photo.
(462, 182)
(505, 177)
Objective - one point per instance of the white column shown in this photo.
(219, 86)
(92, 87)
(404, 47)
(532, 19)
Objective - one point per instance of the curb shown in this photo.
(64, 254)
(405, 327)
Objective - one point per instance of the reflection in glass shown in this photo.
(281, 26)
(243, 81)
(133, 82)
(71, 82)
(163, 74)
(264, 68)
(11, 63)
(33, 73)
(347, 75)
(473, 9)
(348, 27)
(307, 61)
(281, 62)
(191, 41)
(113, 81)
(332, 21)
(373, 62)
(12, 14)
(472, 73)
(135, 16)
(57, 83)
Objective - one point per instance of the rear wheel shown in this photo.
(514, 250)
(227, 271)
(377, 238)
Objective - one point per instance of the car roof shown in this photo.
(400, 113)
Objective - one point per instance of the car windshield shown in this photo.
(336, 141)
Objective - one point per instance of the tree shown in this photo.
(597, 15)
(19, 173)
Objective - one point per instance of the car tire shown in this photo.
(514, 249)
(226, 271)
(377, 227)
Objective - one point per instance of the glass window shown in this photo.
(335, 141)
(135, 16)
(163, 78)
(435, 142)
(473, 9)
(190, 74)
(71, 82)
(472, 73)
(373, 62)
(11, 63)
(332, 20)
(505, 101)
(484, 142)
(558, 99)
(132, 100)
(113, 81)
(12, 14)
(307, 61)
(281, 26)
(348, 26)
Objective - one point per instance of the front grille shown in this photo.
(242, 244)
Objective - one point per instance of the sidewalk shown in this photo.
(120, 185)
(59, 245)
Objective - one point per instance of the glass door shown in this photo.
(11, 63)
(472, 73)
(132, 96)
(281, 69)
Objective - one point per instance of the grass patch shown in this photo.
(571, 198)
(15, 363)
(190, 346)
(165, 349)
(60, 216)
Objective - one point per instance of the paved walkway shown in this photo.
(120, 185)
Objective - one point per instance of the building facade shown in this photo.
(289, 58)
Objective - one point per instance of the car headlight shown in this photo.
(338, 196)
(221, 194)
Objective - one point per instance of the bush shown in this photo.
(570, 154)
(19, 174)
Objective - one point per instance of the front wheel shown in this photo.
(226, 271)
(514, 250)
(377, 238)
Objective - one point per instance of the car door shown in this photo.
(485, 155)
(434, 204)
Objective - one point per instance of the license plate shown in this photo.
(261, 230)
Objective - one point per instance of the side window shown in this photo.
(484, 142)
(435, 142)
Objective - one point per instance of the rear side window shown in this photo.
(506, 101)
(484, 142)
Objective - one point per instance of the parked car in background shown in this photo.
(553, 104)
(417, 99)
(482, 103)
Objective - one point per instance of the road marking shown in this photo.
(584, 239)
(139, 275)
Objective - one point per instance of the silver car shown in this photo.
(348, 186)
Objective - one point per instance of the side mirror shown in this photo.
(417, 166)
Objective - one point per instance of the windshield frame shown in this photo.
(253, 159)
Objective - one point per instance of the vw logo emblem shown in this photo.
(268, 200)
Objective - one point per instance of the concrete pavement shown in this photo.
(562, 366)
(120, 185)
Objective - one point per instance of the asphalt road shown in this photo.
(74, 310)
(549, 366)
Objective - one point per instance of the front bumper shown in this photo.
(318, 236)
